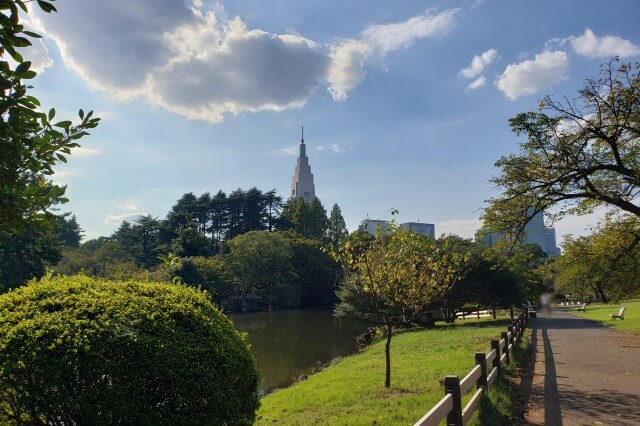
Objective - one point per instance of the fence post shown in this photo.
(516, 328)
(504, 336)
(452, 386)
(481, 358)
(510, 329)
(495, 345)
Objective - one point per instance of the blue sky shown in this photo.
(405, 104)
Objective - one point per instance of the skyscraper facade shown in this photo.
(302, 181)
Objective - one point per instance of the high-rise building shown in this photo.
(534, 233)
(302, 181)
(427, 229)
(372, 225)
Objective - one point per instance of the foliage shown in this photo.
(70, 233)
(141, 240)
(208, 273)
(75, 350)
(308, 219)
(579, 154)
(336, 227)
(604, 265)
(26, 255)
(490, 281)
(31, 141)
(394, 278)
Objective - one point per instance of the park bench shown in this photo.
(582, 308)
(620, 314)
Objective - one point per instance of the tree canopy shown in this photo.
(579, 153)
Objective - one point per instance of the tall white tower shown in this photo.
(302, 181)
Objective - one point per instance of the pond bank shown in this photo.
(352, 391)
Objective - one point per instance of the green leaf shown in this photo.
(46, 7)
(32, 34)
(81, 114)
(63, 124)
(52, 113)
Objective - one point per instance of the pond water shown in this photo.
(287, 344)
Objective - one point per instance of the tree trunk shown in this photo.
(493, 308)
(603, 297)
(387, 353)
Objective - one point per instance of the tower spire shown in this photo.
(302, 138)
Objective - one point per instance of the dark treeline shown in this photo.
(248, 248)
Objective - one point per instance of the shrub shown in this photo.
(78, 350)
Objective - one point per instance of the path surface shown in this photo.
(585, 373)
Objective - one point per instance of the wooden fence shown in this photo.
(488, 368)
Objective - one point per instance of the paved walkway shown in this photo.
(585, 373)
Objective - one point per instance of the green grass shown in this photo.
(352, 392)
(601, 312)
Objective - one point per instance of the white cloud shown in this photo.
(465, 228)
(479, 63)
(477, 83)
(189, 58)
(348, 57)
(61, 177)
(84, 152)
(290, 150)
(347, 67)
(389, 37)
(337, 149)
(128, 207)
(592, 46)
(532, 75)
(117, 218)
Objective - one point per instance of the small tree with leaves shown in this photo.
(391, 279)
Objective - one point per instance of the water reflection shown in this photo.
(287, 344)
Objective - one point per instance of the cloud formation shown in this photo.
(348, 57)
(179, 55)
(477, 83)
(479, 63)
(118, 218)
(80, 151)
(530, 76)
(592, 46)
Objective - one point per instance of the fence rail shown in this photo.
(488, 368)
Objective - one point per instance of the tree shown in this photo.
(336, 228)
(261, 263)
(76, 350)
(579, 154)
(191, 242)
(31, 142)
(392, 279)
(308, 219)
(604, 265)
(69, 230)
(26, 255)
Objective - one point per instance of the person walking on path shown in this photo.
(585, 373)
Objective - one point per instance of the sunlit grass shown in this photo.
(352, 392)
(601, 312)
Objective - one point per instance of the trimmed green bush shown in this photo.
(78, 350)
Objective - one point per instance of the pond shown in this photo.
(287, 344)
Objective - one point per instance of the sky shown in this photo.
(405, 105)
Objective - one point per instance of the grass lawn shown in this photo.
(600, 312)
(352, 391)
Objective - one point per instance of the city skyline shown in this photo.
(406, 107)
